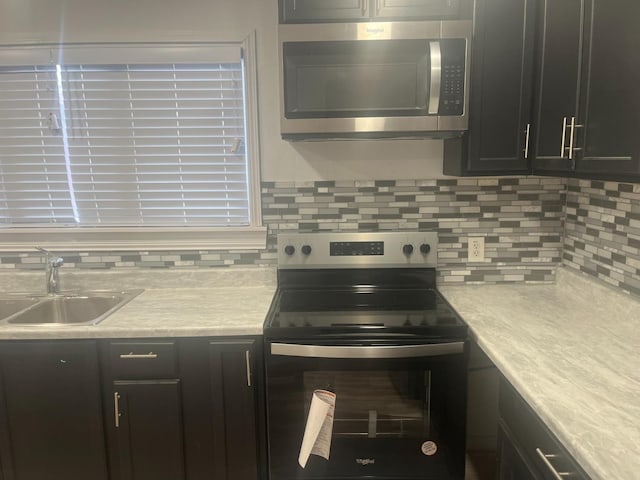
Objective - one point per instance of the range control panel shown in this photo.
(358, 250)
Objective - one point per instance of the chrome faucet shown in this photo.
(54, 262)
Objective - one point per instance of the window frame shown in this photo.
(143, 238)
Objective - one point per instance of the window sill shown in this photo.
(133, 238)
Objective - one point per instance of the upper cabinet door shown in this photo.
(502, 59)
(557, 83)
(415, 9)
(297, 11)
(610, 136)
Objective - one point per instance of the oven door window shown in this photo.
(394, 418)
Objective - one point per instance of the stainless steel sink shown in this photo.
(10, 306)
(81, 309)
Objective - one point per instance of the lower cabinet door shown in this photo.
(233, 406)
(512, 465)
(148, 437)
(51, 411)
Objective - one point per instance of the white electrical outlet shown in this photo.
(476, 249)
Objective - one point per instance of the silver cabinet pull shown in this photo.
(526, 141)
(378, 6)
(247, 357)
(436, 77)
(396, 351)
(132, 356)
(573, 126)
(365, 7)
(564, 136)
(545, 458)
(116, 406)
(572, 149)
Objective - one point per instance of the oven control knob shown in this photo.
(289, 249)
(425, 248)
(306, 249)
(407, 249)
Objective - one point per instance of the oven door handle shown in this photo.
(380, 351)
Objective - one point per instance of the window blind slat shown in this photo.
(140, 143)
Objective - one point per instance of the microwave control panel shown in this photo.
(453, 77)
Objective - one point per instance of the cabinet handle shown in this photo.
(545, 458)
(116, 406)
(564, 136)
(365, 7)
(378, 6)
(247, 357)
(572, 149)
(526, 141)
(131, 355)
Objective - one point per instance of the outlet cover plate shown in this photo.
(475, 251)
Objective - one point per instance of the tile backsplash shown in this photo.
(521, 219)
(602, 236)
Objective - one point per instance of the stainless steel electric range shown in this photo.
(366, 363)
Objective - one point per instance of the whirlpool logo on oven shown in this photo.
(365, 461)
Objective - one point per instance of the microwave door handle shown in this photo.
(436, 77)
(384, 351)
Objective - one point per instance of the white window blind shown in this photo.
(143, 143)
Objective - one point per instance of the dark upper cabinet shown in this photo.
(587, 102)
(502, 58)
(384, 9)
(51, 412)
(557, 83)
(294, 11)
(309, 11)
(610, 94)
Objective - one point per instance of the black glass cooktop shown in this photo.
(362, 311)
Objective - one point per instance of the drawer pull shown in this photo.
(545, 458)
(131, 355)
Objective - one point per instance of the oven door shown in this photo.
(399, 409)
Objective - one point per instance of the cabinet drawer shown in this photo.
(135, 360)
(539, 446)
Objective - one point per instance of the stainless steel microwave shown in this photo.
(374, 80)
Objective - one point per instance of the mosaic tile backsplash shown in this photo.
(521, 219)
(602, 236)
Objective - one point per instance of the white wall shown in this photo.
(87, 21)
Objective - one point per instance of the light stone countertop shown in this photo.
(175, 302)
(572, 350)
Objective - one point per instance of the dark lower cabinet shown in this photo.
(527, 450)
(143, 410)
(512, 465)
(148, 430)
(51, 411)
(170, 409)
(223, 405)
(234, 408)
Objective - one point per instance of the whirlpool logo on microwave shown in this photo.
(365, 461)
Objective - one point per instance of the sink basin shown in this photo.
(10, 306)
(81, 309)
